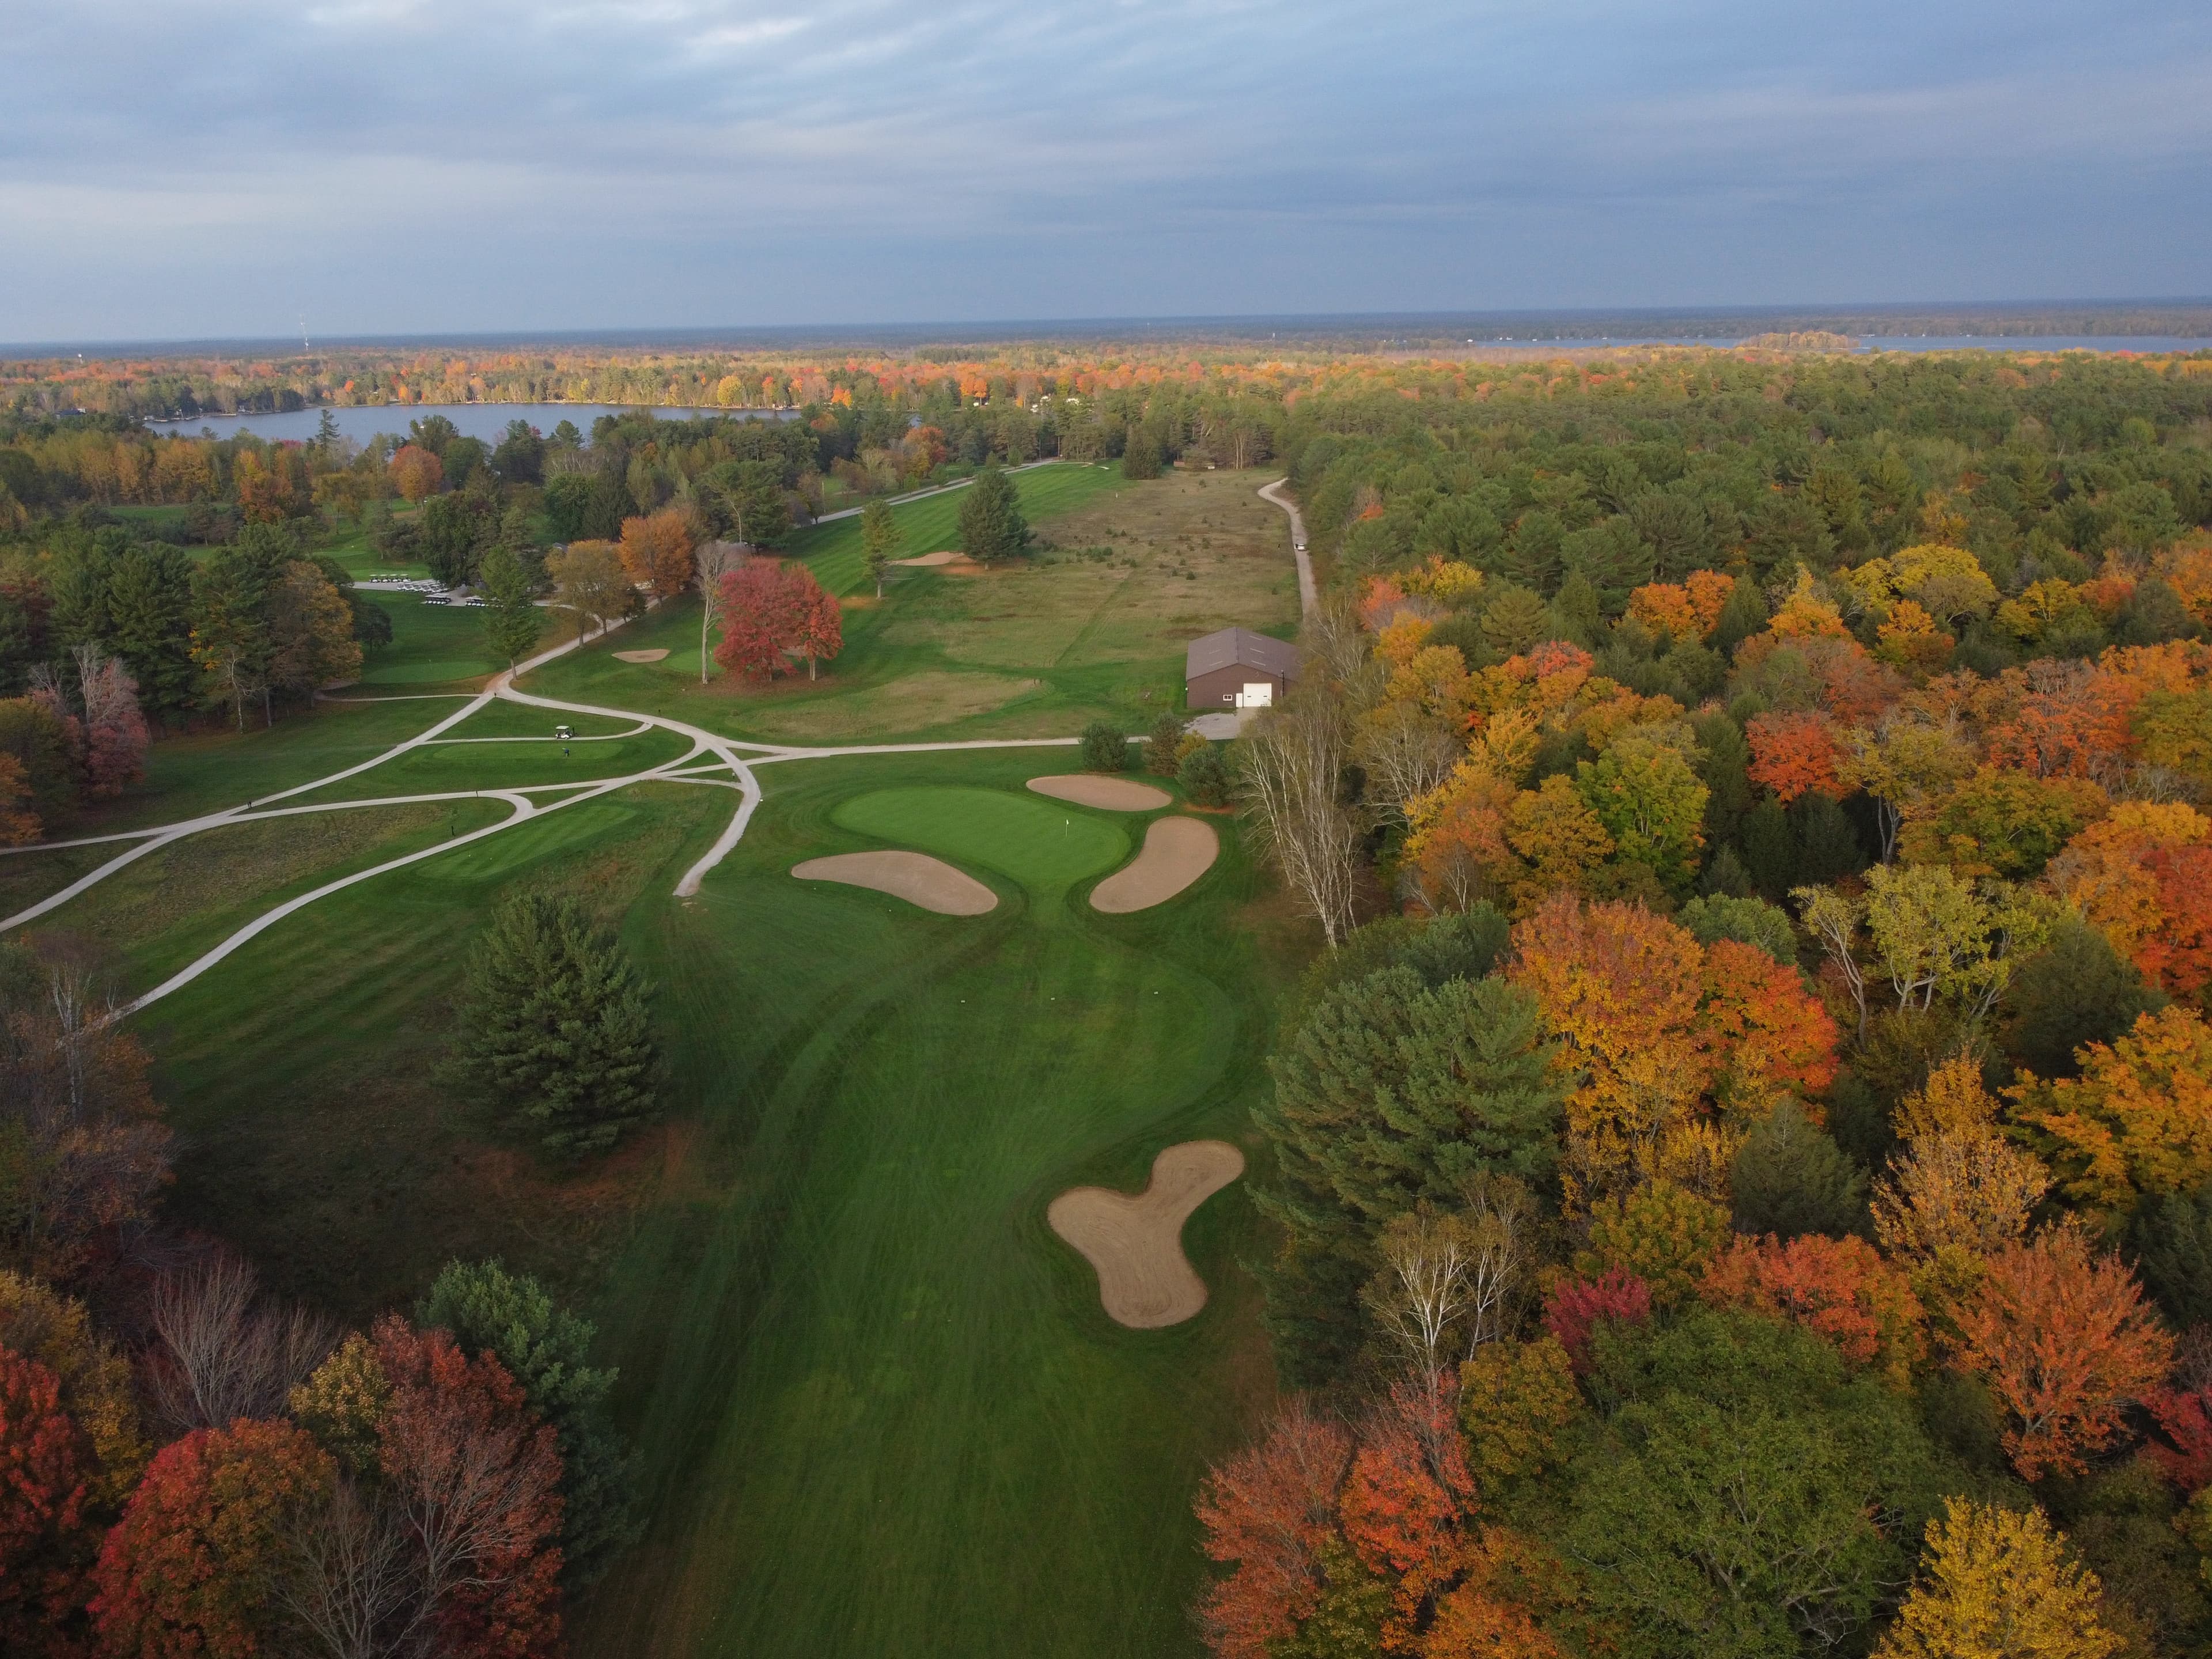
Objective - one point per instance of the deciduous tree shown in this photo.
(46, 1544)
(187, 1571)
(1838, 1288)
(656, 552)
(2136, 1123)
(1268, 1513)
(1998, 1583)
(2065, 1341)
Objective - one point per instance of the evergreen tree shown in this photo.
(2076, 990)
(990, 523)
(511, 621)
(1204, 776)
(1161, 742)
(1105, 748)
(880, 542)
(1790, 1178)
(149, 604)
(554, 1025)
(1391, 1094)
(546, 1350)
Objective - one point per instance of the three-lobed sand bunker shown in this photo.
(1145, 1280)
(1177, 852)
(1092, 789)
(915, 876)
(641, 656)
(931, 558)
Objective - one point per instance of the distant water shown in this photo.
(1888, 343)
(486, 420)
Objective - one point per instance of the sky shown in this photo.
(207, 168)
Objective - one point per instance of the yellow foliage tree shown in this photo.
(2137, 1121)
(1998, 1584)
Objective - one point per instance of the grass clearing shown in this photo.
(1035, 650)
(833, 551)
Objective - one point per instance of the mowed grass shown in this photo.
(208, 771)
(1093, 629)
(881, 1411)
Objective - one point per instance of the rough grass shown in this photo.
(833, 551)
(1093, 629)
(301, 1074)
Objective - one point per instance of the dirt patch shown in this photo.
(1177, 852)
(1145, 1280)
(931, 558)
(915, 876)
(1113, 794)
(641, 656)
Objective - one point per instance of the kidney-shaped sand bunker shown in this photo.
(915, 876)
(1145, 1280)
(1177, 852)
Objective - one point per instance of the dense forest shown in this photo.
(1743, 1172)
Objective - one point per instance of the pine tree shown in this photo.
(511, 621)
(554, 1024)
(990, 523)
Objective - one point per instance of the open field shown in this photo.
(1093, 629)
(833, 551)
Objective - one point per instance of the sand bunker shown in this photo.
(932, 559)
(1177, 852)
(915, 876)
(1136, 1244)
(640, 656)
(1089, 789)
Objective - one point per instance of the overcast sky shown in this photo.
(206, 168)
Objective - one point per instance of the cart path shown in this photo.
(1309, 599)
(708, 755)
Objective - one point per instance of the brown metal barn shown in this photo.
(1236, 668)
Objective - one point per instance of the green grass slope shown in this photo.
(883, 1410)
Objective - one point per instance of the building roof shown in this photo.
(1242, 648)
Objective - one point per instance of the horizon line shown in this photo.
(913, 333)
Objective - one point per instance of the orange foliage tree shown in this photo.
(476, 1477)
(1793, 755)
(656, 552)
(1763, 1033)
(1620, 987)
(416, 473)
(186, 1570)
(1840, 1289)
(2066, 1342)
(1267, 1512)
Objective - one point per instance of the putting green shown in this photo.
(1043, 844)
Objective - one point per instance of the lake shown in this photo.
(484, 421)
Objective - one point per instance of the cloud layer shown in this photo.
(225, 167)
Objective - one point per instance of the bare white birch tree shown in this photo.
(1290, 767)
